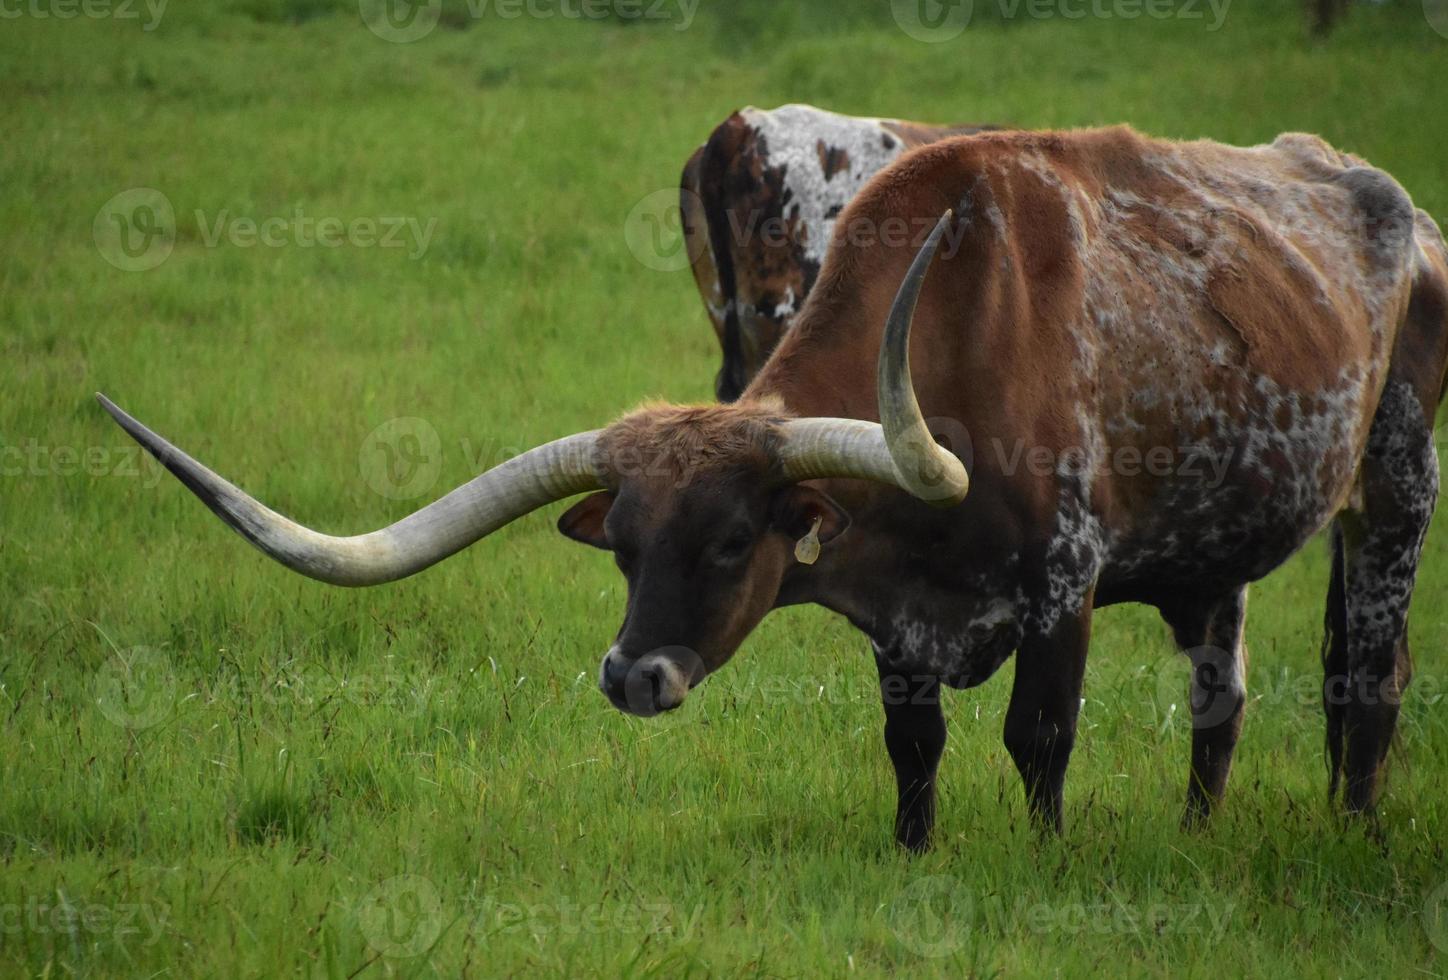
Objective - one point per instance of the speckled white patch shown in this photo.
(1383, 565)
(1292, 453)
(792, 135)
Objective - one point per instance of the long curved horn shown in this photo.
(929, 471)
(503, 494)
(900, 450)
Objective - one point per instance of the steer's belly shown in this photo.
(1231, 499)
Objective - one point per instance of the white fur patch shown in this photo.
(792, 135)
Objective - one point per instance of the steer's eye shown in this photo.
(733, 548)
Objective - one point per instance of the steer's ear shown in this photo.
(795, 510)
(584, 520)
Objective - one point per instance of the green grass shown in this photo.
(421, 778)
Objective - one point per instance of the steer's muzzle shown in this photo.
(646, 685)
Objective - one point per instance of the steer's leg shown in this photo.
(1380, 546)
(915, 738)
(1045, 700)
(1209, 632)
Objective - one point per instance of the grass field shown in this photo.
(213, 767)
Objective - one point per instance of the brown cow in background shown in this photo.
(759, 202)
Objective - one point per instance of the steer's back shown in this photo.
(1122, 307)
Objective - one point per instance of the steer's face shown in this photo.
(702, 533)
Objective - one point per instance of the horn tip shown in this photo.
(124, 419)
(109, 406)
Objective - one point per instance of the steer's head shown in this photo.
(702, 507)
(702, 522)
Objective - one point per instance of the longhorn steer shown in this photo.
(759, 201)
(1102, 298)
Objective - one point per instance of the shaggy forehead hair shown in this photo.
(674, 440)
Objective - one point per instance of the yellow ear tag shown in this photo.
(807, 548)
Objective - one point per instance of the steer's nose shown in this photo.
(612, 673)
(657, 681)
